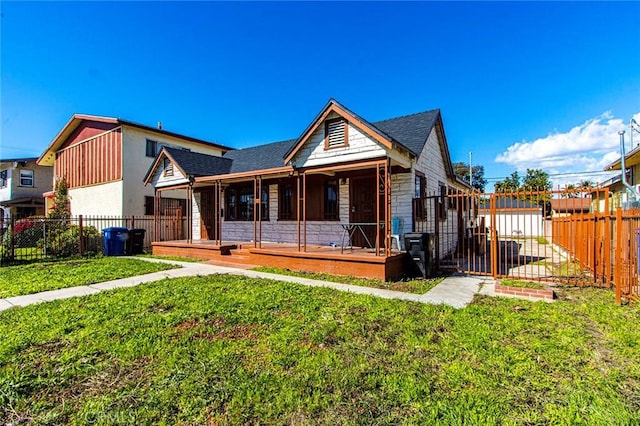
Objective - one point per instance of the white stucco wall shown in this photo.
(97, 200)
(136, 164)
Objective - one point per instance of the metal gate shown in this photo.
(570, 237)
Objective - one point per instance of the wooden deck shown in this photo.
(358, 262)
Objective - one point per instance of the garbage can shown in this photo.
(421, 249)
(135, 243)
(114, 240)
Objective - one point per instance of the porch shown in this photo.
(359, 262)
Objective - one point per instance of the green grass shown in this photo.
(417, 286)
(542, 240)
(522, 284)
(42, 276)
(174, 258)
(231, 350)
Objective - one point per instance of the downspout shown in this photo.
(630, 189)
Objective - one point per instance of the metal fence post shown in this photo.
(80, 236)
(617, 268)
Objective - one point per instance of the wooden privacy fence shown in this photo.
(564, 236)
(37, 238)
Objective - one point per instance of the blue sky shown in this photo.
(521, 85)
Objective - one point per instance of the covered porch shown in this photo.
(333, 219)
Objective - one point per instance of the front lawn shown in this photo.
(42, 276)
(416, 286)
(233, 350)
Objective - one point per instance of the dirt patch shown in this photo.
(215, 329)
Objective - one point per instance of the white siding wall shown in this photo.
(432, 165)
(196, 216)
(361, 147)
(159, 180)
(273, 230)
(136, 164)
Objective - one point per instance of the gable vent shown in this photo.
(336, 133)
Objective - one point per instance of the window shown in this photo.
(331, 200)
(3, 178)
(239, 202)
(420, 186)
(168, 167)
(26, 178)
(288, 200)
(322, 198)
(152, 148)
(336, 133)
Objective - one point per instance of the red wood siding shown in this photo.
(97, 160)
(87, 129)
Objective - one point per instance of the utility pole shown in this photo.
(470, 170)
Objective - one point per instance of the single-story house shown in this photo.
(344, 182)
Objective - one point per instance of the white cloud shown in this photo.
(588, 147)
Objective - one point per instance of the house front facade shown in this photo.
(620, 195)
(22, 183)
(104, 161)
(343, 182)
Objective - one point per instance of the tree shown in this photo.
(60, 208)
(461, 170)
(536, 180)
(509, 184)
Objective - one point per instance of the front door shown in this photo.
(362, 194)
(208, 228)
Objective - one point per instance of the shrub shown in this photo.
(65, 242)
(27, 232)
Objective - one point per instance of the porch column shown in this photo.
(257, 211)
(298, 209)
(157, 226)
(218, 203)
(387, 198)
(190, 213)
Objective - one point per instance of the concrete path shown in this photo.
(455, 291)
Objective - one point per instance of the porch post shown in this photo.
(189, 213)
(304, 208)
(255, 204)
(378, 184)
(298, 198)
(387, 197)
(218, 203)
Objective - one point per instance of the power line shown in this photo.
(496, 179)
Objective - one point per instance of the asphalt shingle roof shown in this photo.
(197, 164)
(412, 130)
(260, 157)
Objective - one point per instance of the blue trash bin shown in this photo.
(114, 240)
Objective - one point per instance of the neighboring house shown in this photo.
(561, 207)
(22, 183)
(104, 161)
(342, 170)
(619, 195)
(514, 218)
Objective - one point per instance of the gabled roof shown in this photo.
(76, 120)
(409, 132)
(190, 164)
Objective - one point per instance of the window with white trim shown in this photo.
(26, 178)
(168, 167)
(336, 133)
(4, 175)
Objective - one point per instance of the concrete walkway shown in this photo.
(455, 291)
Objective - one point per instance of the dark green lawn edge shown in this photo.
(415, 286)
